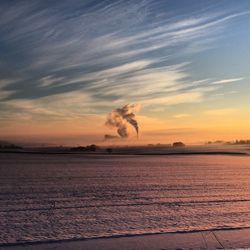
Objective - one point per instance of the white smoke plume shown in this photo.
(121, 117)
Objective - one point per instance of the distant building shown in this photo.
(178, 144)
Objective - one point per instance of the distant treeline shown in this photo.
(175, 144)
(91, 148)
(242, 142)
(236, 142)
(9, 146)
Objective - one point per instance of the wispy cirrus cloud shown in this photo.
(223, 81)
(90, 56)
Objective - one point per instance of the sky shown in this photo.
(65, 65)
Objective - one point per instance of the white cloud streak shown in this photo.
(223, 81)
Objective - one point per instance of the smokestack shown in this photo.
(121, 117)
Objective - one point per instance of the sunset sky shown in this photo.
(65, 65)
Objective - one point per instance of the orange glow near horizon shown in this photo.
(189, 129)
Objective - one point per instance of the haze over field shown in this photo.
(66, 65)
